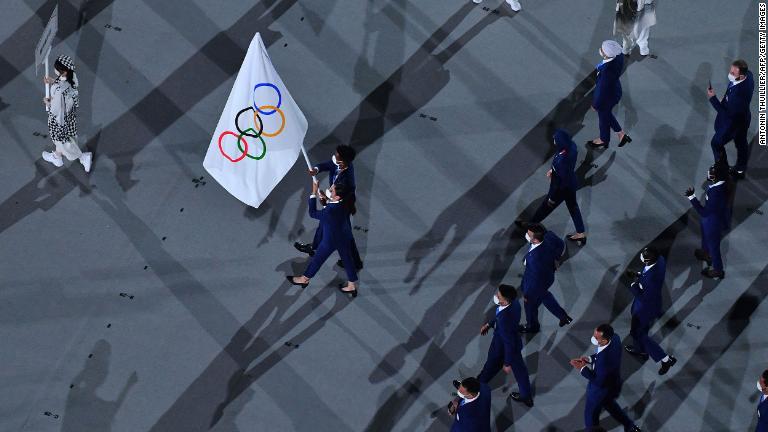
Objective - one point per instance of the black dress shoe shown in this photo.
(592, 144)
(736, 174)
(565, 321)
(351, 294)
(581, 241)
(634, 428)
(358, 266)
(528, 329)
(666, 365)
(516, 397)
(290, 279)
(634, 351)
(305, 248)
(712, 273)
(624, 141)
(702, 255)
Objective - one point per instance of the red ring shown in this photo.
(241, 138)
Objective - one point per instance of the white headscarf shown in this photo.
(611, 48)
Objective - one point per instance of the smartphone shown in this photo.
(710, 85)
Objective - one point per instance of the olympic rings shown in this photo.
(279, 98)
(256, 120)
(239, 138)
(282, 124)
(245, 152)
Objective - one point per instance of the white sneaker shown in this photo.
(515, 5)
(52, 158)
(476, 1)
(86, 159)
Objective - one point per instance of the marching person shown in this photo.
(62, 115)
(563, 185)
(762, 405)
(472, 408)
(646, 308)
(634, 19)
(337, 236)
(733, 116)
(506, 344)
(607, 94)
(539, 275)
(715, 217)
(340, 170)
(603, 370)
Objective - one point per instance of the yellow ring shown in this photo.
(282, 117)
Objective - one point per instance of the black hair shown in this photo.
(719, 170)
(70, 73)
(347, 153)
(742, 65)
(765, 376)
(650, 254)
(471, 384)
(508, 291)
(538, 230)
(347, 195)
(606, 330)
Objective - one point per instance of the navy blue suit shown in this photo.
(506, 347)
(733, 119)
(563, 181)
(605, 385)
(762, 415)
(539, 275)
(715, 218)
(347, 178)
(607, 94)
(646, 308)
(337, 236)
(474, 416)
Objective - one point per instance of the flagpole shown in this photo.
(306, 159)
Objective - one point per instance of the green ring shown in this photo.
(263, 145)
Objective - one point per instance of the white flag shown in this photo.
(260, 132)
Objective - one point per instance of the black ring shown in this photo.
(261, 124)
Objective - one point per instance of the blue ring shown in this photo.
(279, 98)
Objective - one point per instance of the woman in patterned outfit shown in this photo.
(62, 115)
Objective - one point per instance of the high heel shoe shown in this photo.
(594, 145)
(302, 285)
(352, 293)
(581, 241)
(624, 141)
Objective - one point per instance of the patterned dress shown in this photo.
(62, 116)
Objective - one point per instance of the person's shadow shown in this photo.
(85, 410)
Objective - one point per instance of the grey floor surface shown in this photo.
(121, 312)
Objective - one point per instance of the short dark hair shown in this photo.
(471, 384)
(538, 230)
(650, 254)
(720, 169)
(765, 376)
(742, 65)
(508, 291)
(606, 330)
(346, 152)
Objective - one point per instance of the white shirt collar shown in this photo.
(501, 308)
(534, 246)
(738, 82)
(600, 348)
(648, 267)
(608, 60)
(466, 401)
(717, 184)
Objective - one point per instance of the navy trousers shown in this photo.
(607, 122)
(321, 255)
(532, 309)
(567, 195)
(642, 341)
(495, 362)
(710, 242)
(602, 399)
(739, 137)
(353, 247)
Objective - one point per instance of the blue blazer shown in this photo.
(762, 416)
(733, 109)
(715, 214)
(476, 415)
(335, 176)
(647, 290)
(608, 88)
(605, 374)
(334, 221)
(563, 165)
(539, 271)
(506, 339)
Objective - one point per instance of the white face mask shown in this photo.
(642, 260)
(328, 194)
(333, 158)
(496, 300)
(732, 77)
(760, 389)
(528, 238)
(594, 341)
(463, 396)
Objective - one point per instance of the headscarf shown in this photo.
(563, 141)
(611, 48)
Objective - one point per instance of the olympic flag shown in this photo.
(260, 133)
